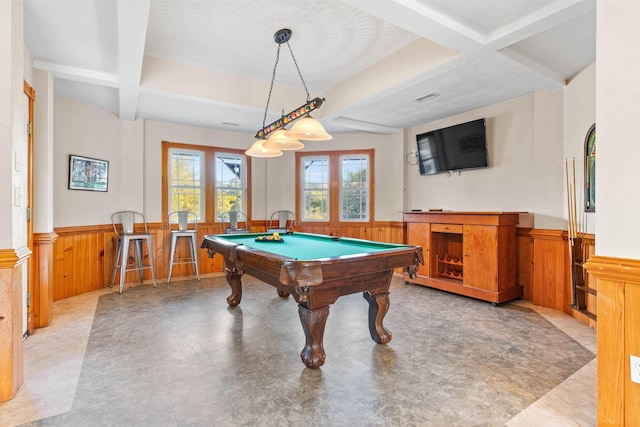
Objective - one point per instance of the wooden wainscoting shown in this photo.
(552, 283)
(389, 232)
(42, 297)
(524, 262)
(12, 261)
(618, 283)
(83, 258)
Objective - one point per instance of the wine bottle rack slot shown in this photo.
(449, 267)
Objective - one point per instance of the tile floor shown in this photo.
(178, 356)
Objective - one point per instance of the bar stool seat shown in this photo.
(123, 225)
(185, 218)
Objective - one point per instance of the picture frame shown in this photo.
(88, 174)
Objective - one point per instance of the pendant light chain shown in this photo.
(298, 68)
(274, 138)
(273, 78)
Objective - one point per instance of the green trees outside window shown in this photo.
(205, 180)
(335, 186)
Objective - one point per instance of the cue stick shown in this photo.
(575, 217)
(570, 234)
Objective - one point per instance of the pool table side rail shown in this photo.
(397, 256)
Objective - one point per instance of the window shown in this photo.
(185, 181)
(205, 180)
(230, 182)
(335, 186)
(354, 188)
(315, 189)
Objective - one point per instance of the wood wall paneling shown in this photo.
(83, 258)
(618, 282)
(42, 296)
(632, 347)
(11, 321)
(551, 263)
(524, 262)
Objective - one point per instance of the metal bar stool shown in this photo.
(281, 222)
(123, 225)
(232, 220)
(185, 218)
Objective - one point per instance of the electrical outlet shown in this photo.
(635, 369)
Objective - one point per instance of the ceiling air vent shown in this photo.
(427, 97)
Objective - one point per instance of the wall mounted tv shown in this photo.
(453, 148)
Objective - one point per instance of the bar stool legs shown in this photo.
(122, 257)
(193, 250)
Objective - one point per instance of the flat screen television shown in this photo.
(453, 148)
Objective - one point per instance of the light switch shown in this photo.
(17, 196)
(635, 369)
(18, 162)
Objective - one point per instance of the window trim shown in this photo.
(300, 175)
(334, 183)
(214, 189)
(209, 179)
(201, 155)
(340, 186)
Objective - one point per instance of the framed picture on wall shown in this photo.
(88, 174)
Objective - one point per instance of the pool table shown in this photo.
(316, 270)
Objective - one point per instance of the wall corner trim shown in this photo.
(10, 258)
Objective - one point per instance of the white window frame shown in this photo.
(366, 191)
(304, 189)
(243, 182)
(202, 177)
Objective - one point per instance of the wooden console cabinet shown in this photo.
(467, 253)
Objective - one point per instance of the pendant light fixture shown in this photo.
(259, 150)
(272, 139)
(280, 140)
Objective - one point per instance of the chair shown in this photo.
(281, 222)
(184, 219)
(123, 225)
(231, 221)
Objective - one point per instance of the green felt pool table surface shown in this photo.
(305, 246)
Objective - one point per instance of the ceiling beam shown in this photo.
(133, 18)
(78, 74)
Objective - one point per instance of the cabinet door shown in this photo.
(480, 258)
(419, 234)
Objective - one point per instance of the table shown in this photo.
(316, 270)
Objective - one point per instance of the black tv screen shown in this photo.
(453, 148)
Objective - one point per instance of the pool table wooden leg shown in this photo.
(378, 307)
(313, 322)
(233, 279)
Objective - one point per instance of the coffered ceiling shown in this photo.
(381, 65)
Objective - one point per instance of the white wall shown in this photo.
(545, 191)
(87, 131)
(13, 135)
(618, 129)
(91, 132)
(529, 138)
(508, 184)
(579, 116)
(273, 179)
(156, 132)
(43, 164)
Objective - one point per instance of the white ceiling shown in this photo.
(209, 63)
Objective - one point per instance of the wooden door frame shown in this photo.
(31, 94)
